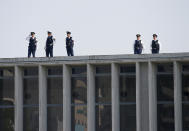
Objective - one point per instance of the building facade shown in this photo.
(95, 93)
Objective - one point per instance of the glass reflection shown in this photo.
(103, 118)
(103, 89)
(127, 89)
(55, 90)
(7, 91)
(31, 119)
(55, 118)
(165, 88)
(7, 119)
(31, 91)
(165, 117)
(79, 118)
(128, 117)
(6, 72)
(79, 90)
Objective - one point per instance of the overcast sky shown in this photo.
(99, 27)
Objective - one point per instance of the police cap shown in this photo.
(138, 35)
(32, 33)
(68, 32)
(48, 32)
(154, 35)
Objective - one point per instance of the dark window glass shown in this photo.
(55, 118)
(127, 89)
(165, 88)
(31, 119)
(6, 72)
(103, 69)
(185, 112)
(185, 97)
(103, 89)
(79, 90)
(79, 70)
(165, 68)
(79, 118)
(7, 91)
(54, 71)
(165, 97)
(185, 87)
(128, 117)
(127, 69)
(165, 117)
(185, 68)
(31, 91)
(55, 90)
(7, 119)
(103, 118)
(31, 71)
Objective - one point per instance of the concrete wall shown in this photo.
(145, 87)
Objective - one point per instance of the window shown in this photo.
(165, 97)
(7, 99)
(79, 98)
(185, 97)
(103, 98)
(127, 98)
(55, 98)
(31, 99)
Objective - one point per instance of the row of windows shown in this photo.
(165, 98)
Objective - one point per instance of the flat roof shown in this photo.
(163, 57)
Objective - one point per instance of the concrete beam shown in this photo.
(152, 97)
(66, 98)
(42, 99)
(91, 97)
(115, 98)
(18, 99)
(178, 96)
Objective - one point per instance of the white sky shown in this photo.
(99, 27)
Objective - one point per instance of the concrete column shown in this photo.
(115, 98)
(138, 98)
(18, 81)
(91, 97)
(66, 98)
(152, 97)
(142, 98)
(42, 99)
(177, 96)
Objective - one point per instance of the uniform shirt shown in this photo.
(29, 37)
(32, 41)
(160, 45)
(50, 41)
(141, 43)
(69, 42)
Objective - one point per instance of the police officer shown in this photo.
(49, 44)
(155, 45)
(138, 45)
(32, 44)
(69, 44)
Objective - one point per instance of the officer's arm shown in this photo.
(28, 38)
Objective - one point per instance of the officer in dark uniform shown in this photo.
(138, 45)
(49, 44)
(155, 45)
(32, 44)
(69, 44)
